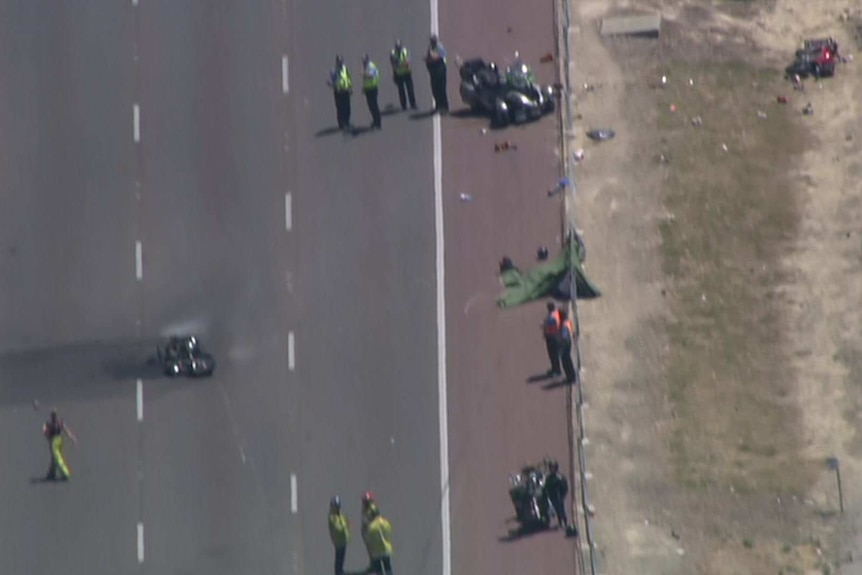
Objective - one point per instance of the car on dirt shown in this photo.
(817, 58)
(184, 356)
(513, 98)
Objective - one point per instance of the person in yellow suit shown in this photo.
(54, 429)
(339, 532)
(379, 541)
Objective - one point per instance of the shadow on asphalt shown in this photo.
(327, 132)
(539, 377)
(556, 384)
(422, 115)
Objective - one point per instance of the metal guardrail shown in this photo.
(575, 392)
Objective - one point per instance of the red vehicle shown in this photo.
(816, 58)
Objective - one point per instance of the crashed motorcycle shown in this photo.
(512, 98)
(533, 509)
(184, 356)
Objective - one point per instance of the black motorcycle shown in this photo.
(511, 98)
(532, 506)
(184, 356)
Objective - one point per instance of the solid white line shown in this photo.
(441, 342)
(140, 400)
(285, 75)
(140, 542)
(294, 505)
(291, 354)
(139, 261)
(288, 211)
(136, 123)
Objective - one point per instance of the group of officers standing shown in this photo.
(402, 74)
(376, 534)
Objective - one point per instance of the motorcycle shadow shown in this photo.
(522, 532)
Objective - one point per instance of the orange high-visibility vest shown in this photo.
(551, 327)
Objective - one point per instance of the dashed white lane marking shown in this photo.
(285, 75)
(139, 261)
(443, 416)
(291, 353)
(294, 504)
(136, 123)
(288, 211)
(140, 542)
(140, 400)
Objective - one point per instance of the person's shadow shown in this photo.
(327, 132)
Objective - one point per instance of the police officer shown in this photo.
(380, 543)
(435, 61)
(369, 508)
(551, 332)
(402, 75)
(556, 489)
(567, 331)
(342, 88)
(339, 532)
(370, 84)
(54, 429)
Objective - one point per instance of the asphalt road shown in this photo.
(205, 481)
(499, 419)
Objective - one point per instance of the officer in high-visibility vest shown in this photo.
(435, 61)
(342, 88)
(402, 75)
(551, 332)
(370, 85)
(54, 429)
(339, 532)
(567, 334)
(379, 541)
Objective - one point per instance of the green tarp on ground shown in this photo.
(548, 280)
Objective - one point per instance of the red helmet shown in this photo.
(367, 498)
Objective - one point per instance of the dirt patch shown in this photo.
(720, 363)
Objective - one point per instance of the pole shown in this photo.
(833, 463)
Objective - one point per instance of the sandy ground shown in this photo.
(646, 520)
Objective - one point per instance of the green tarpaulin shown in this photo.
(548, 280)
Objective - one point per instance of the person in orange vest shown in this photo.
(551, 332)
(54, 429)
(567, 334)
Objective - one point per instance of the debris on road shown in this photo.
(466, 198)
(761, 114)
(601, 134)
(505, 146)
(697, 121)
(561, 185)
(782, 99)
(547, 58)
(808, 110)
(724, 147)
(542, 253)
(673, 108)
(579, 155)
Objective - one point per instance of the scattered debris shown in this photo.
(484, 131)
(505, 146)
(579, 155)
(673, 108)
(507, 264)
(782, 99)
(542, 253)
(664, 80)
(797, 83)
(723, 147)
(561, 185)
(674, 534)
(466, 198)
(691, 82)
(697, 121)
(761, 114)
(547, 58)
(808, 110)
(601, 134)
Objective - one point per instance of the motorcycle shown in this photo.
(533, 510)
